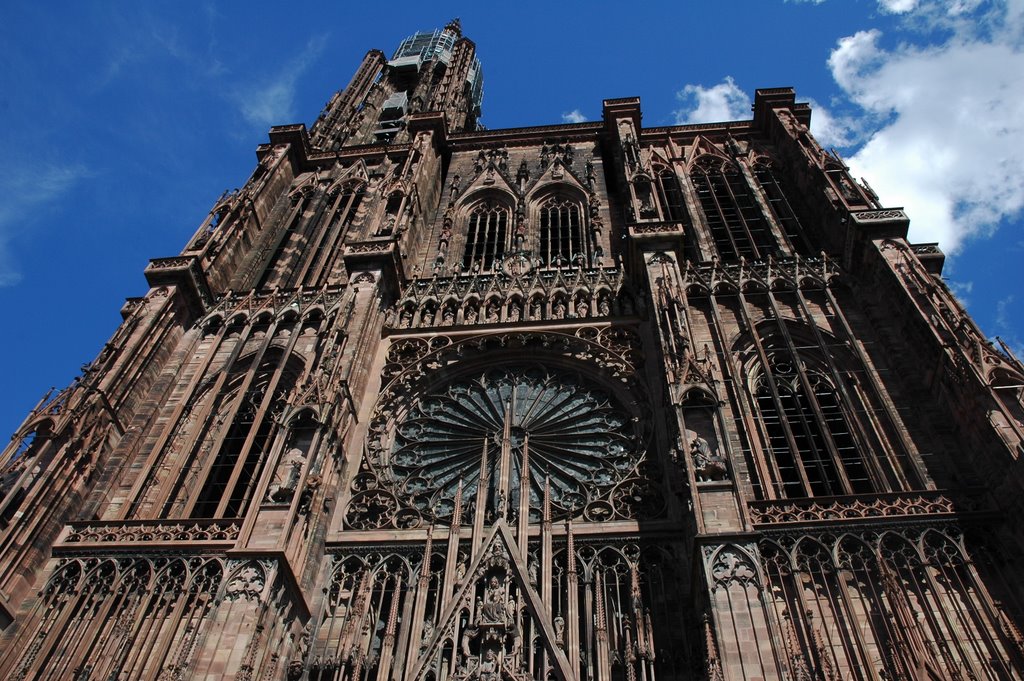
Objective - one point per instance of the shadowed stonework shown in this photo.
(590, 402)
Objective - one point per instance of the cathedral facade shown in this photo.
(423, 401)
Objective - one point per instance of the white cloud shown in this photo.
(271, 102)
(948, 126)
(830, 130)
(718, 103)
(1003, 312)
(24, 190)
(574, 116)
(897, 6)
(961, 289)
(1004, 322)
(891, 6)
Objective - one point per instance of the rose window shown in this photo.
(571, 433)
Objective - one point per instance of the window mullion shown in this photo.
(739, 214)
(777, 402)
(713, 191)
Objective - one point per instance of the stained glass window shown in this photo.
(569, 431)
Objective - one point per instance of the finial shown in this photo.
(546, 514)
(457, 513)
(427, 550)
(454, 26)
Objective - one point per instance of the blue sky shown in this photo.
(123, 122)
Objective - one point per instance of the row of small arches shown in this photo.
(496, 309)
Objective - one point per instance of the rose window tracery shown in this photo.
(573, 436)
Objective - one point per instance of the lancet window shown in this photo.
(1009, 422)
(487, 232)
(562, 236)
(738, 228)
(357, 631)
(672, 204)
(810, 443)
(779, 203)
(324, 256)
(307, 252)
(231, 451)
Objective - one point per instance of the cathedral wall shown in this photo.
(590, 401)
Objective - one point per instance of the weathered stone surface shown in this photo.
(590, 401)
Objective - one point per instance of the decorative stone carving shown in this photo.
(732, 566)
(84, 533)
(873, 508)
(600, 288)
(247, 582)
(286, 477)
(707, 464)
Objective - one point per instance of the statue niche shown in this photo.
(492, 640)
(289, 469)
(701, 438)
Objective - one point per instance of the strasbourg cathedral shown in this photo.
(423, 401)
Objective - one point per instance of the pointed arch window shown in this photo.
(229, 453)
(562, 239)
(773, 187)
(325, 255)
(810, 441)
(486, 235)
(671, 195)
(738, 228)
(307, 252)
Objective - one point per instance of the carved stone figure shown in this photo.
(559, 623)
(489, 666)
(286, 477)
(707, 465)
(493, 607)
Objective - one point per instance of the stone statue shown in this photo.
(560, 631)
(493, 608)
(286, 477)
(707, 465)
(489, 666)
